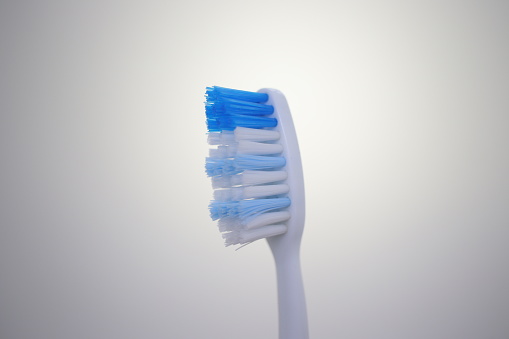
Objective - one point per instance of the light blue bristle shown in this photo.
(215, 92)
(246, 208)
(221, 166)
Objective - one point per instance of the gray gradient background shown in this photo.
(402, 111)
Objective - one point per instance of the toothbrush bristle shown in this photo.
(232, 106)
(246, 208)
(228, 122)
(215, 92)
(245, 165)
(228, 166)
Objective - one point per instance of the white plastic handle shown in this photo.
(286, 247)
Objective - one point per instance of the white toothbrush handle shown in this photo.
(293, 322)
(291, 300)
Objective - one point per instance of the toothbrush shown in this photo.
(256, 171)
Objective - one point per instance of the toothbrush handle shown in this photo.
(285, 248)
(291, 299)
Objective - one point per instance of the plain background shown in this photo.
(402, 111)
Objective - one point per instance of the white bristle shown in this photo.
(250, 192)
(247, 178)
(241, 134)
(234, 193)
(265, 191)
(243, 237)
(245, 147)
(258, 148)
(236, 180)
(221, 138)
(220, 152)
(222, 181)
(254, 134)
(228, 224)
(266, 219)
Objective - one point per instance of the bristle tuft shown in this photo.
(243, 237)
(254, 134)
(228, 108)
(260, 177)
(246, 208)
(219, 166)
(215, 92)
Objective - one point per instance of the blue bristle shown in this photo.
(219, 166)
(246, 208)
(228, 108)
(230, 122)
(215, 92)
(225, 106)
